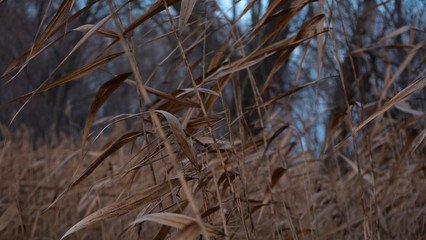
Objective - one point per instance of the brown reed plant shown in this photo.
(190, 166)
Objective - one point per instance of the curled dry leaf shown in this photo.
(101, 96)
(274, 136)
(180, 221)
(186, 8)
(202, 90)
(76, 74)
(152, 11)
(103, 32)
(276, 176)
(210, 211)
(176, 128)
(126, 205)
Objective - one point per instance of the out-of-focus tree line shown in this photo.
(353, 24)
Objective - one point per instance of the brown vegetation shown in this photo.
(221, 138)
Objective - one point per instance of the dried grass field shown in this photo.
(289, 125)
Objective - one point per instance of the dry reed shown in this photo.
(190, 166)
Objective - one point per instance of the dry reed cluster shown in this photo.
(188, 165)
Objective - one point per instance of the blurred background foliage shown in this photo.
(356, 24)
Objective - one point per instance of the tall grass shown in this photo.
(190, 165)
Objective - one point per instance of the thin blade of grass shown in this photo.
(288, 93)
(393, 34)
